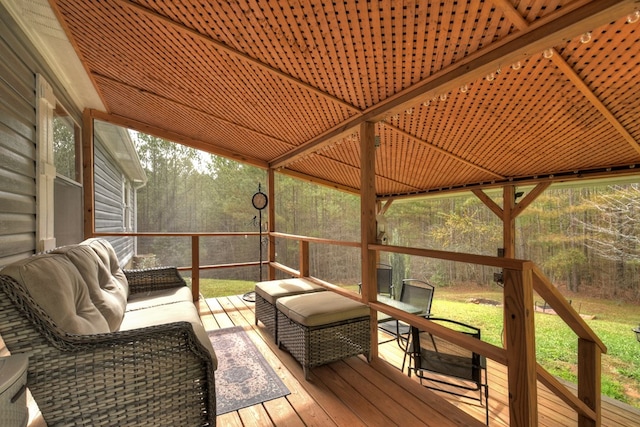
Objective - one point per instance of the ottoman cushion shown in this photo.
(274, 289)
(322, 308)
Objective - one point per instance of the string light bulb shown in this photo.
(585, 38)
(633, 17)
(443, 97)
(548, 53)
(516, 66)
(490, 77)
(464, 89)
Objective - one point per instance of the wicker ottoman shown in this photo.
(323, 327)
(268, 292)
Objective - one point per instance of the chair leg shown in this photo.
(486, 402)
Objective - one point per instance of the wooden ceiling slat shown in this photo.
(371, 48)
(445, 32)
(399, 40)
(288, 83)
(573, 76)
(421, 64)
(313, 51)
(351, 38)
(229, 50)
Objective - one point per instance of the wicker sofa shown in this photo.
(106, 346)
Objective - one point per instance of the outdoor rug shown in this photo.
(243, 378)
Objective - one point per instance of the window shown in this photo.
(66, 137)
(127, 211)
(59, 169)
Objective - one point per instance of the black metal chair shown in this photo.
(416, 293)
(444, 366)
(384, 278)
(384, 274)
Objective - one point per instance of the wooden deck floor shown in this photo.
(354, 393)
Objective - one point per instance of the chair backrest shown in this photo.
(385, 279)
(417, 293)
(441, 356)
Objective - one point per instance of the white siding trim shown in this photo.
(46, 170)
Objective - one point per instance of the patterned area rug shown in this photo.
(244, 378)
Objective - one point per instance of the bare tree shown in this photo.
(614, 232)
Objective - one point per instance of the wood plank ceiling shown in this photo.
(464, 94)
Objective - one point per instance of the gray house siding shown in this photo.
(19, 65)
(17, 147)
(109, 207)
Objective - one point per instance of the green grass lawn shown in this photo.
(556, 344)
(212, 288)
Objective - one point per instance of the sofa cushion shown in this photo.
(169, 313)
(112, 270)
(57, 286)
(107, 293)
(141, 300)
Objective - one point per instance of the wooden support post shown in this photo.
(195, 268)
(87, 173)
(521, 351)
(368, 222)
(589, 381)
(508, 221)
(304, 258)
(271, 223)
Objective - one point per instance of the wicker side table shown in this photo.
(321, 328)
(268, 292)
(13, 391)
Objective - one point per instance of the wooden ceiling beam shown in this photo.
(488, 201)
(563, 24)
(514, 16)
(235, 53)
(595, 174)
(175, 137)
(530, 198)
(319, 181)
(442, 151)
(594, 100)
(193, 108)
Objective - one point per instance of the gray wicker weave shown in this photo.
(159, 375)
(266, 313)
(319, 345)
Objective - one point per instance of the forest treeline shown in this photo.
(585, 238)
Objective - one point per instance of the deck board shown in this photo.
(350, 392)
(356, 393)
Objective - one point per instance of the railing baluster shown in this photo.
(304, 258)
(195, 267)
(589, 380)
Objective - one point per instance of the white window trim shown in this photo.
(46, 170)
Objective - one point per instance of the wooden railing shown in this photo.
(195, 253)
(521, 278)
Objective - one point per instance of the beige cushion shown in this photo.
(108, 256)
(321, 308)
(160, 315)
(141, 300)
(107, 293)
(57, 286)
(273, 289)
